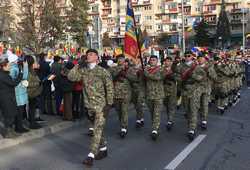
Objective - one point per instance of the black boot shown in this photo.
(154, 135)
(10, 133)
(88, 161)
(221, 111)
(35, 126)
(90, 132)
(204, 125)
(21, 130)
(191, 135)
(101, 155)
(123, 133)
(169, 125)
(138, 124)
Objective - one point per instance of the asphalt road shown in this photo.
(225, 146)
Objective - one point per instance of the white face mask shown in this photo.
(92, 65)
(189, 62)
(203, 65)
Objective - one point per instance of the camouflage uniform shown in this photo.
(98, 92)
(135, 76)
(232, 82)
(192, 76)
(206, 89)
(221, 87)
(170, 89)
(177, 67)
(154, 94)
(122, 93)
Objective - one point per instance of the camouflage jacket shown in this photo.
(154, 83)
(98, 86)
(209, 78)
(170, 83)
(135, 76)
(192, 83)
(121, 83)
(222, 71)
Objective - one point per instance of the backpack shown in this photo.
(35, 87)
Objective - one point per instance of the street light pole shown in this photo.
(243, 31)
(183, 27)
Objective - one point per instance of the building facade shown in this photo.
(165, 16)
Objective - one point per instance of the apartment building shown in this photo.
(164, 16)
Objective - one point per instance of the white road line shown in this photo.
(181, 156)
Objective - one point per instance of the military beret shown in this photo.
(92, 51)
(153, 56)
(168, 58)
(188, 53)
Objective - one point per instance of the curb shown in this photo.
(36, 134)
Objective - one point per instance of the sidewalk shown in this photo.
(54, 124)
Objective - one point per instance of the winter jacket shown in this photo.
(20, 90)
(7, 90)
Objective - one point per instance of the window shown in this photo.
(173, 16)
(148, 17)
(148, 27)
(146, 8)
(137, 18)
(95, 9)
(172, 5)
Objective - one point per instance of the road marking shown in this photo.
(181, 156)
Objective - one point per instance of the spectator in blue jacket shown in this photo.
(20, 89)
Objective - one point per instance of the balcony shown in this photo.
(91, 1)
(236, 11)
(236, 21)
(141, 3)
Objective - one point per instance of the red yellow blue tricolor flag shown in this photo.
(131, 50)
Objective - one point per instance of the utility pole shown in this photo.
(183, 27)
(243, 31)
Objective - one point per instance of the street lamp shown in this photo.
(183, 27)
(244, 10)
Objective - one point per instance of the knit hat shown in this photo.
(12, 57)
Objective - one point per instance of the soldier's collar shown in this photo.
(92, 65)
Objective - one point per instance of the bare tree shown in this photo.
(41, 23)
(6, 19)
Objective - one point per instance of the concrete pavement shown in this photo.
(224, 147)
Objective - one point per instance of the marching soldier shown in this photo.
(138, 91)
(206, 88)
(98, 98)
(221, 88)
(192, 75)
(170, 88)
(122, 90)
(154, 93)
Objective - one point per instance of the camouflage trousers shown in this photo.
(170, 103)
(204, 100)
(192, 105)
(98, 140)
(221, 93)
(137, 100)
(121, 106)
(155, 107)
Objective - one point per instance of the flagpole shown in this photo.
(137, 38)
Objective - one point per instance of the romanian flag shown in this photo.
(130, 41)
